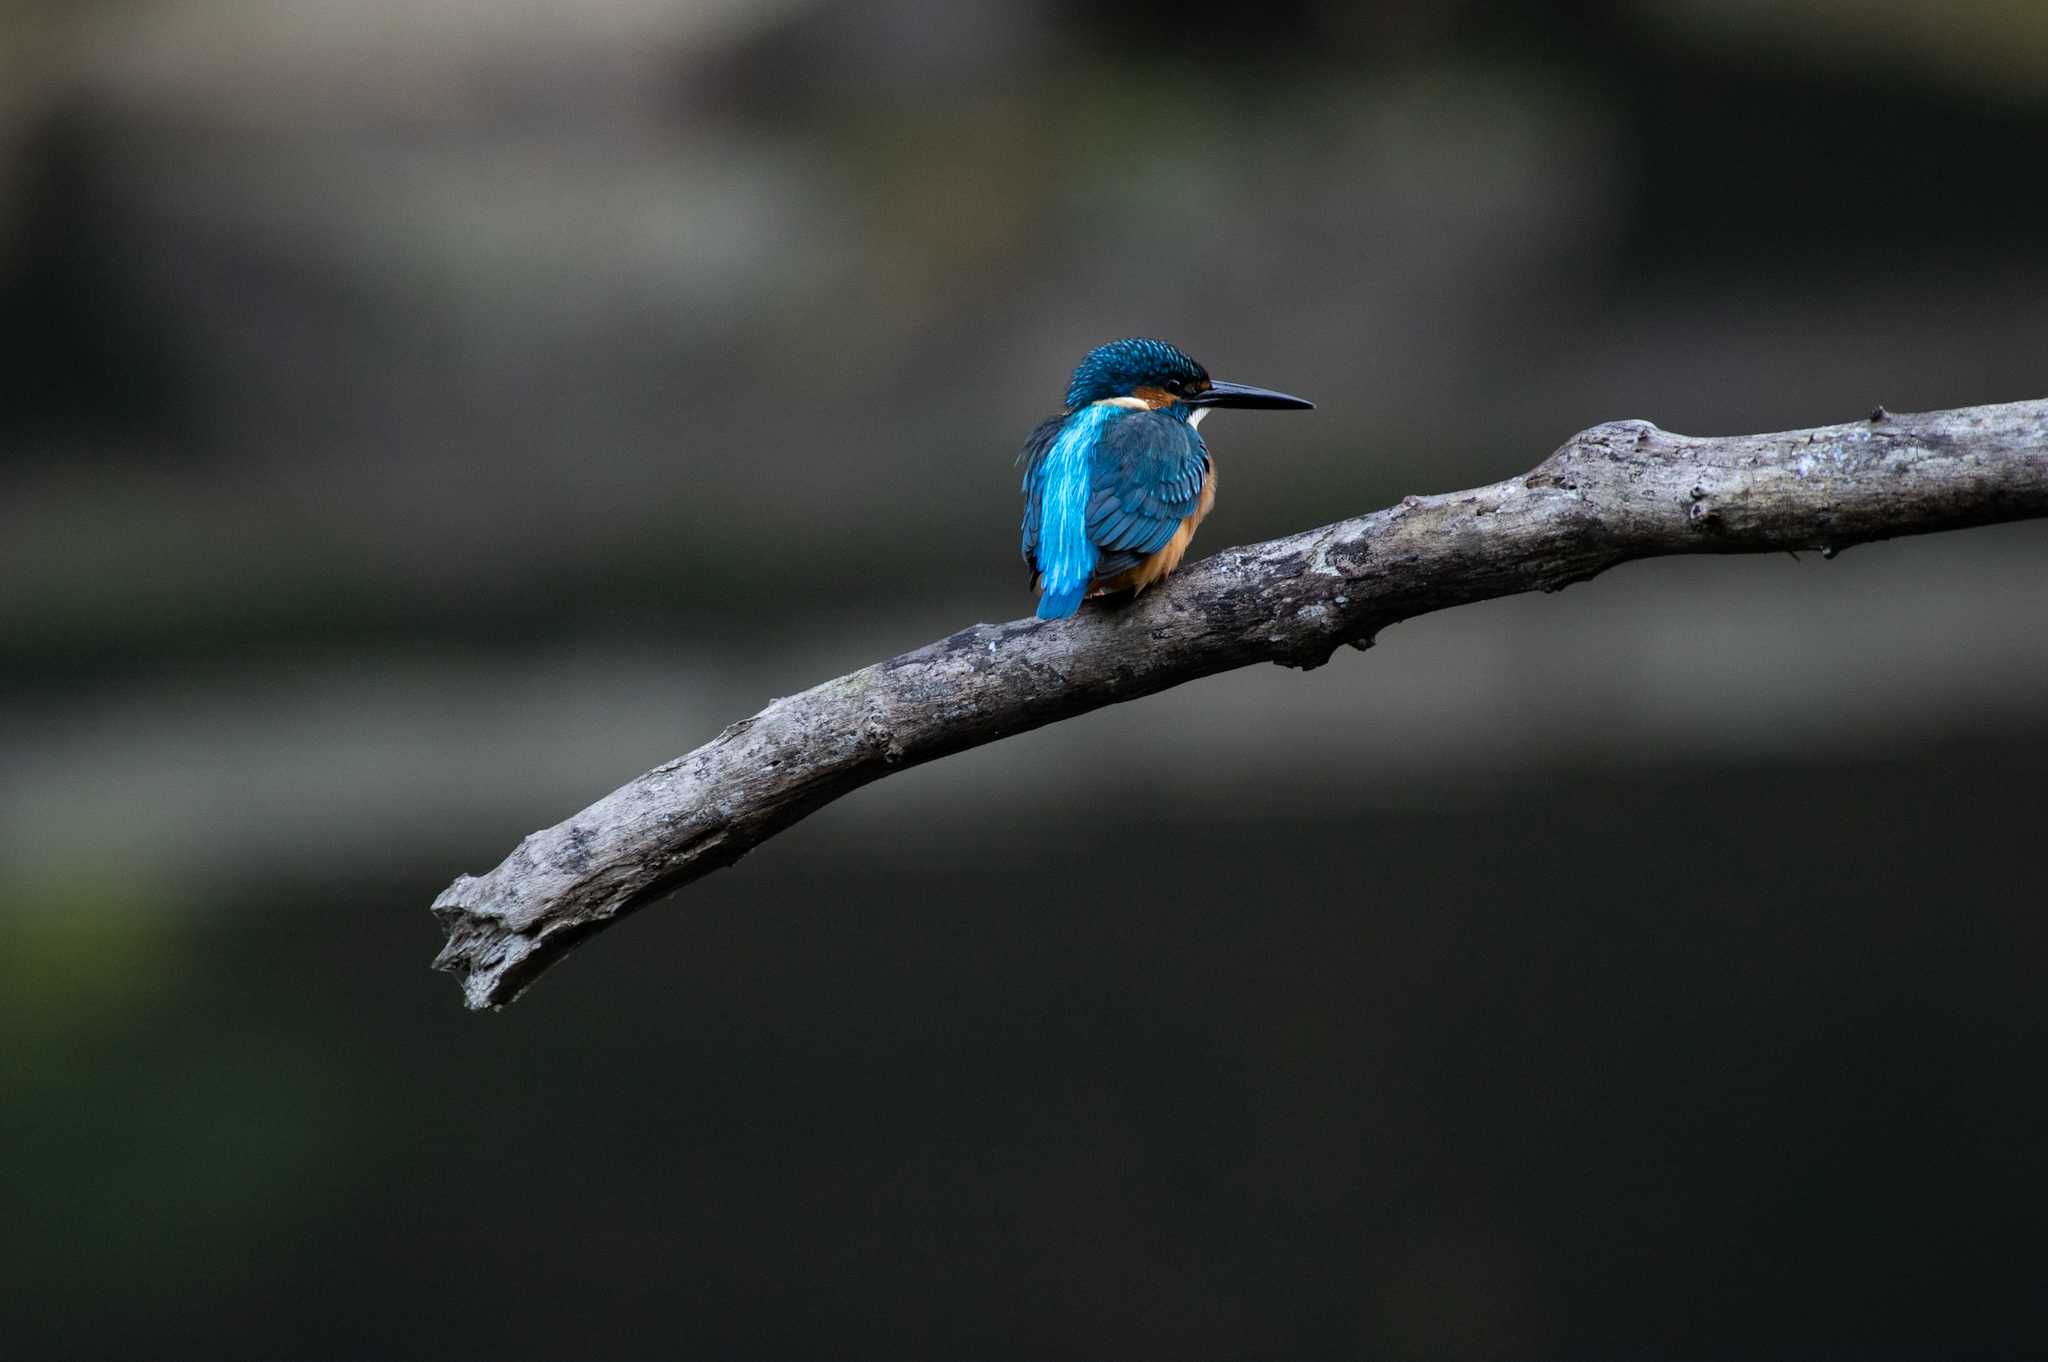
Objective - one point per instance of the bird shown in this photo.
(1116, 484)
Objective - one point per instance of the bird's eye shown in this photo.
(1173, 385)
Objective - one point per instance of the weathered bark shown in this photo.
(1616, 492)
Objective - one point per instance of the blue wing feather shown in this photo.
(1153, 465)
(1057, 496)
(1033, 459)
(1103, 488)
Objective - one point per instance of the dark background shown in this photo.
(421, 416)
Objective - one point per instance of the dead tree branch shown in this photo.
(1616, 492)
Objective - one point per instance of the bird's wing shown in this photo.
(1033, 459)
(1145, 478)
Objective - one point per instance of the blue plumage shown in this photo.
(1115, 485)
(1115, 369)
(1147, 476)
(1056, 491)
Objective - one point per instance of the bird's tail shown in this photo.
(1061, 599)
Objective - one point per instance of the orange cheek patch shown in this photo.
(1154, 398)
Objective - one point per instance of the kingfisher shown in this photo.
(1115, 485)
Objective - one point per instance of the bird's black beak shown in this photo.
(1219, 394)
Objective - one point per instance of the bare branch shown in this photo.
(1616, 492)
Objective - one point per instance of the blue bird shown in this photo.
(1115, 485)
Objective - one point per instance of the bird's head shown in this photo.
(1154, 374)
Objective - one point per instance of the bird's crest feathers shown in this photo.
(1113, 370)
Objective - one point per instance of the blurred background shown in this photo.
(421, 416)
